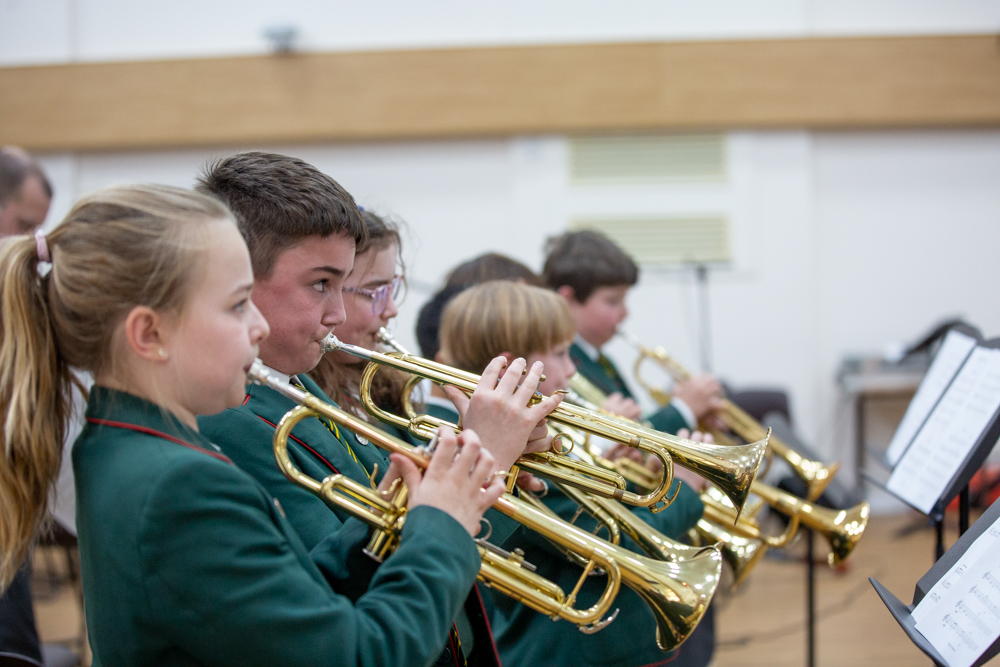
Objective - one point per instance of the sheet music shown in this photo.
(960, 615)
(988, 542)
(949, 358)
(950, 432)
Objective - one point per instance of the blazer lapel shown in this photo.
(311, 440)
(607, 381)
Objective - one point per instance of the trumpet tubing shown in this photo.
(841, 528)
(732, 469)
(739, 552)
(678, 593)
(557, 468)
(816, 474)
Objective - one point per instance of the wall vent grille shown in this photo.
(666, 240)
(694, 158)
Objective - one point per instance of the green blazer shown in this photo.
(606, 377)
(526, 637)
(245, 434)
(187, 560)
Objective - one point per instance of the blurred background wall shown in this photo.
(839, 241)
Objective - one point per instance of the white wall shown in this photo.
(843, 242)
(46, 31)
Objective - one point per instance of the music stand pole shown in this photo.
(810, 602)
(939, 539)
(963, 511)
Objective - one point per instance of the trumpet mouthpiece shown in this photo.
(258, 373)
(331, 344)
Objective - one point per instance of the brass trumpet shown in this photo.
(815, 473)
(741, 553)
(677, 593)
(841, 528)
(610, 515)
(732, 469)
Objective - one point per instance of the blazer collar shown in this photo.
(106, 405)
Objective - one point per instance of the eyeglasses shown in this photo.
(380, 295)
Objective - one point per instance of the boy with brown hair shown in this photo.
(303, 229)
(594, 276)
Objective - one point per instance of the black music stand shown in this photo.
(959, 483)
(903, 613)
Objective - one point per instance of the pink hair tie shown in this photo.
(42, 247)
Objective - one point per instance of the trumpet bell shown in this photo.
(741, 553)
(841, 528)
(678, 593)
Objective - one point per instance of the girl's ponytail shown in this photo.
(35, 399)
(118, 248)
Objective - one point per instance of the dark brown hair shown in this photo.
(15, 167)
(491, 266)
(586, 260)
(280, 200)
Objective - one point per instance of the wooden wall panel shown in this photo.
(817, 83)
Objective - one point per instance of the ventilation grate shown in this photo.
(666, 240)
(695, 158)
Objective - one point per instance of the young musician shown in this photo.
(594, 276)
(481, 269)
(185, 558)
(303, 230)
(510, 319)
(370, 303)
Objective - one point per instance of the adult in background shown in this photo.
(25, 193)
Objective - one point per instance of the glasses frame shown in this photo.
(380, 295)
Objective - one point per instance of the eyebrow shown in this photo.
(247, 287)
(327, 269)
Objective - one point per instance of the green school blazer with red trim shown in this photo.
(245, 434)
(187, 560)
(526, 637)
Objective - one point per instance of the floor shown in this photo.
(760, 624)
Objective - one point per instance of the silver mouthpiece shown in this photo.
(332, 344)
(262, 375)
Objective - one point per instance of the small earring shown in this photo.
(162, 353)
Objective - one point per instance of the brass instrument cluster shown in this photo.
(676, 580)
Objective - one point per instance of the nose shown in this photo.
(391, 310)
(259, 328)
(334, 313)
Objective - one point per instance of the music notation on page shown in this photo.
(950, 432)
(960, 615)
(953, 352)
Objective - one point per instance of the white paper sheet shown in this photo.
(949, 433)
(960, 615)
(949, 358)
(988, 542)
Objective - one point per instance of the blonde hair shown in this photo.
(501, 316)
(118, 248)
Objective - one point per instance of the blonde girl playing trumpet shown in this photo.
(186, 559)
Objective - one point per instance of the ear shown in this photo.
(144, 333)
(509, 356)
(567, 292)
(439, 357)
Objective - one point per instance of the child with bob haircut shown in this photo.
(185, 558)
(511, 319)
